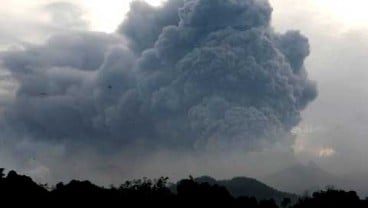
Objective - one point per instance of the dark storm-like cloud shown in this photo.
(193, 74)
(145, 23)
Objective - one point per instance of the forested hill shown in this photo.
(243, 186)
(18, 190)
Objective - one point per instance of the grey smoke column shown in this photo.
(194, 74)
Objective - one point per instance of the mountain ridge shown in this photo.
(249, 187)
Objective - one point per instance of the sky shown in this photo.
(331, 131)
(336, 31)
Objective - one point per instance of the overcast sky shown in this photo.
(333, 130)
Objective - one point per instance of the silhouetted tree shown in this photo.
(154, 193)
(249, 202)
(330, 198)
(2, 174)
(191, 193)
(268, 204)
(285, 202)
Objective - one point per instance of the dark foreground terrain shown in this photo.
(16, 190)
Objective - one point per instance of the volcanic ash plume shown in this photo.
(189, 74)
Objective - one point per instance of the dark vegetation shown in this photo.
(18, 190)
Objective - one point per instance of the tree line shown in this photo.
(19, 190)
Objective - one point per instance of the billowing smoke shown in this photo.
(187, 75)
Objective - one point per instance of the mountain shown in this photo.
(301, 178)
(243, 186)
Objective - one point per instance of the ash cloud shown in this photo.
(196, 74)
(145, 23)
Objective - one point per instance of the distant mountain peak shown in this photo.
(300, 178)
(250, 187)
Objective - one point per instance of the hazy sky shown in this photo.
(337, 32)
(333, 130)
